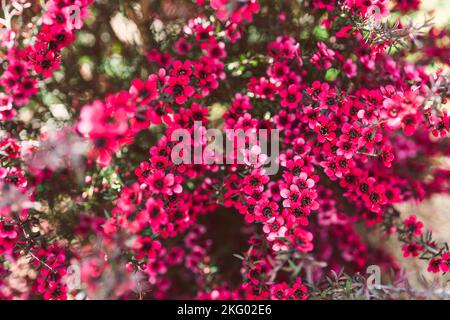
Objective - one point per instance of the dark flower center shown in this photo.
(100, 142)
(324, 130)
(158, 184)
(364, 187)
(254, 181)
(306, 201)
(374, 197)
(178, 90)
(267, 211)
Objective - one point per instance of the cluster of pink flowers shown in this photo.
(356, 128)
(23, 69)
(39, 59)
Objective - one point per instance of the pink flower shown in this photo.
(254, 158)
(445, 262)
(291, 97)
(144, 92)
(290, 195)
(349, 68)
(413, 226)
(411, 249)
(159, 182)
(274, 228)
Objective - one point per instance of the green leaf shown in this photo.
(331, 74)
(348, 286)
(321, 33)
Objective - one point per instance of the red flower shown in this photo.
(266, 209)
(179, 89)
(290, 195)
(298, 291)
(411, 249)
(144, 92)
(181, 69)
(324, 57)
(349, 68)
(302, 240)
(44, 60)
(410, 123)
(255, 274)
(279, 291)
(387, 156)
(161, 183)
(375, 198)
(413, 226)
(275, 228)
(445, 262)
(255, 182)
(434, 265)
(325, 129)
(10, 148)
(291, 97)
(182, 46)
(146, 247)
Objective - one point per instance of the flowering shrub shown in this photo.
(99, 200)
